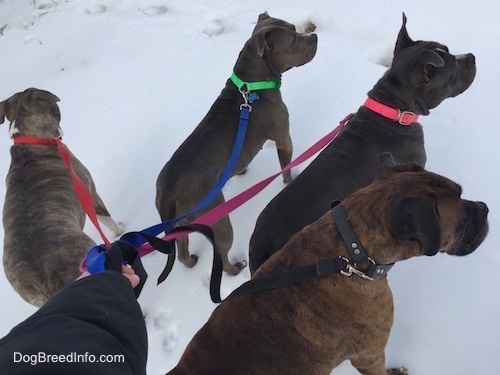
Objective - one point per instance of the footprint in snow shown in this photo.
(154, 10)
(218, 23)
(45, 4)
(96, 9)
(214, 28)
(161, 322)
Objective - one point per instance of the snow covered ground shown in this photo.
(135, 77)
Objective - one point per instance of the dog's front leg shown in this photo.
(375, 366)
(284, 147)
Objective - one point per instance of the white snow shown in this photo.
(135, 77)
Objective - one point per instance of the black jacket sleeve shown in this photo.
(92, 326)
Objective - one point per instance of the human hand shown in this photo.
(126, 271)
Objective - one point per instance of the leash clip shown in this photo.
(247, 99)
(350, 269)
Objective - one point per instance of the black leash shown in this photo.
(340, 264)
(168, 247)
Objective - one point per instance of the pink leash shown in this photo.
(229, 206)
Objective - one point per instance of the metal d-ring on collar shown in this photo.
(247, 89)
(356, 251)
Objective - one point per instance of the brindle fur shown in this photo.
(313, 326)
(43, 219)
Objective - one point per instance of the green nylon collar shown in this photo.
(254, 86)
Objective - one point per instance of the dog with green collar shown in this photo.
(196, 166)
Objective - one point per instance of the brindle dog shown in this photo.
(42, 217)
(313, 326)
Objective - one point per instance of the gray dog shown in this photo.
(421, 76)
(312, 326)
(42, 216)
(196, 166)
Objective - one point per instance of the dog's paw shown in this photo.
(398, 371)
(236, 268)
(189, 262)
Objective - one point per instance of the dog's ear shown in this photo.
(416, 219)
(387, 166)
(386, 160)
(404, 39)
(261, 43)
(263, 16)
(3, 110)
(422, 71)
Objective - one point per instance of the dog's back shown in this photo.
(347, 164)
(43, 219)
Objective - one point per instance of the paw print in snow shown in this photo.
(96, 8)
(162, 323)
(154, 10)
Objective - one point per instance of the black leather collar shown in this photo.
(355, 248)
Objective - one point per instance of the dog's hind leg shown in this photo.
(104, 216)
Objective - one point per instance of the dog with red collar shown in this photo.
(421, 76)
(43, 219)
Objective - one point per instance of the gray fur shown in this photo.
(421, 76)
(196, 166)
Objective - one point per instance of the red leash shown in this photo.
(227, 207)
(207, 219)
(81, 189)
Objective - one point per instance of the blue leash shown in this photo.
(125, 251)
(136, 239)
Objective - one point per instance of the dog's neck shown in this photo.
(251, 70)
(384, 92)
(16, 131)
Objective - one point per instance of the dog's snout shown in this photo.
(477, 209)
(468, 59)
(482, 209)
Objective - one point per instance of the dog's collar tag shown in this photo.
(402, 117)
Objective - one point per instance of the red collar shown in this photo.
(403, 117)
(31, 140)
